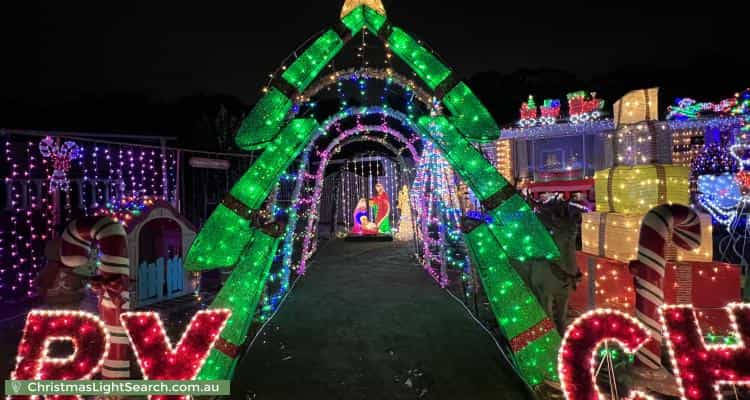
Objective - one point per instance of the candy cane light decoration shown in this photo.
(684, 227)
(112, 283)
(61, 155)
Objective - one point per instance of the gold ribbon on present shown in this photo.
(591, 271)
(661, 177)
(684, 283)
(611, 189)
(602, 233)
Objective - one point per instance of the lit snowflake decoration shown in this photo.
(61, 155)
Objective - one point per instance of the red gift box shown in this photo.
(611, 286)
(709, 286)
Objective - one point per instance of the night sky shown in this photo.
(58, 51)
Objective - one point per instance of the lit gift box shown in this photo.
(709, 286)
(637, 106)
(639, 188)
(615, 236)
(606, 283)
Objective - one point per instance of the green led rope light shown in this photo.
(267, 117)
(254, 187)
(474, 169)
(226, 233)
(220, 241)
(515, 232)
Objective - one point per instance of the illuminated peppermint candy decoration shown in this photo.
(111, 284)
(704, 369)
(83, 330)
(577, 364)
(61, 155)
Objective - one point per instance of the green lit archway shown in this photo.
(237, 235)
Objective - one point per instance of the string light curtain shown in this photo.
(435, 192)
(101, 174)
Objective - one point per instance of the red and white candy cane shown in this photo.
(111, 284)
(684, 227)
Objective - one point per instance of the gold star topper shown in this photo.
(351, 5)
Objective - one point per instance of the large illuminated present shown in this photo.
(615, 236)
(709, 286)
(606, 283)
(639, 188)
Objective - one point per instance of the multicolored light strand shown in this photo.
(99, 173)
